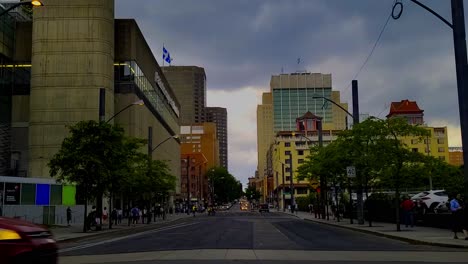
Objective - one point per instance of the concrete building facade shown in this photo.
(64, 56)
(189, 86)
(436, 144)
(218, 115)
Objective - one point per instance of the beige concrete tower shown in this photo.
(72, 57)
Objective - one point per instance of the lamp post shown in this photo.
(139, 102)
(360, 202)
(30, 3)
(459, 43)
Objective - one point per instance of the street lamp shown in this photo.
(459, 42)
(30, 3)
(139, 102)
(162, 142)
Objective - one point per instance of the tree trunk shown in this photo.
(85, 222)
(99, 210)
(110, 210)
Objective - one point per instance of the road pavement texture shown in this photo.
(248, 237)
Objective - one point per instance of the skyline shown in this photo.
(252, 41)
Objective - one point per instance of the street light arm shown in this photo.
(433, 12)
(162, 143)
(342, 108)
(125, 108)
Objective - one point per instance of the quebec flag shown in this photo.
(166, 55)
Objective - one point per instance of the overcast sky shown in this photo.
(242, 43)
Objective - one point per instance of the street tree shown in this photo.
(224, 187)
(252, 193)
(94, 156)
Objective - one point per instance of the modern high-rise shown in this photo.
(218, 115)
(291, 96)
(297, 93)
(189, 86)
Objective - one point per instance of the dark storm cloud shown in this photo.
(242, 43)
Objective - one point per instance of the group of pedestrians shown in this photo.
(137, 215)
(458, 210)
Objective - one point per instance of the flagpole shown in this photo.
(163, 55)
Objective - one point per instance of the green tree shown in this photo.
(95, 156)
(252, 193)
(226, 187)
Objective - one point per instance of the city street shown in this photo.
(249, 237)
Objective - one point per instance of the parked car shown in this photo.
(430, 200)
(263, 208)
(24, 242)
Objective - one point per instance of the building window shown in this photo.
(288, 169)
(427, 141)
(441, 149)
(414, 141)
(300, 152)
(440, 141)
(287, 144)
(415, 149)
(287, 152)
(288, 161)
(300, 161)
(288, 178)
(442, 157)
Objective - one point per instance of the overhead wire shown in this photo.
(395, 3)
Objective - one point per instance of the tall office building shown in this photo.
(189, 86)
(54, 68)
(218, 115)
(291, 96)
(297, 93)
(265, 135)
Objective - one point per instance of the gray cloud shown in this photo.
(242, 43)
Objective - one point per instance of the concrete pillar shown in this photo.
(72, 57)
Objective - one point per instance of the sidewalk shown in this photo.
(416, 235)
(64, 233)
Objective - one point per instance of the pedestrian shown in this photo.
(289, 208)
(408, 206)
(148, 216)
(465, 220)
(134, 215)
(119, 216)
(457, 215)
(311, 208)
(105, 214)
(69, 215)
(114, 216)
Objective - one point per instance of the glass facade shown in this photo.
(291, 103)
(157, 96)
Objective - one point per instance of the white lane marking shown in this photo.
(124, 237)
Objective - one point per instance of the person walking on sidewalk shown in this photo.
(119, 216)
(69, 215)
(114, 216)
(408, 205)
(457, 215)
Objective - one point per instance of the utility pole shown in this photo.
(291, 182)
(188, 184)
(323, 182)
(459, 42)
(284, 183)
(360, 204)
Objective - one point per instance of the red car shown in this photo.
(24, 242)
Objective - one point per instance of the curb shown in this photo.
(405, 239)
(70, 239)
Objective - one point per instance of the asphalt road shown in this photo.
(245, 237)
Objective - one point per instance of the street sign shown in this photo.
(351, 171)
(314, 184)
